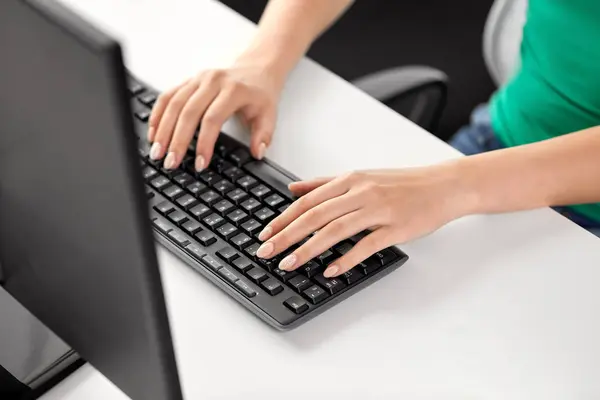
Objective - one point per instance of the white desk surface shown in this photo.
(490, 307)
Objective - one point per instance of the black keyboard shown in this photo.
(212, 220)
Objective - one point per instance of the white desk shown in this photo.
(503, 307)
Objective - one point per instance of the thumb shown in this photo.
(262, 128)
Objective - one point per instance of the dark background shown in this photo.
(379, 34)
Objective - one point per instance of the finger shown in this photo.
(302, 187)
(307, 223)
(328, 191)
(223, 107)
(188, 121)
(159, 108)
(365, 248)
(336, 231)
(262, 128)
(165, 128)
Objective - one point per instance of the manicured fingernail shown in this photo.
(170, 161)
(288, 263)
(151, 133)
(199, 163)
(262, 148)
(265, 234)
(331, 271)
(155, 151)
(265, 250)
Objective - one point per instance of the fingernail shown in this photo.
(199, 163)
(170, 161)
(288, 263)
(151, 133)
(262, 148)
(331, 271)
(155, 151)
(265, 234)
(265, 250)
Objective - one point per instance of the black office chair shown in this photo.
(417, 92)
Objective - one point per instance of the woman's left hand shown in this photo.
(396, 205)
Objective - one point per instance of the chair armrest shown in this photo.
(389, 83)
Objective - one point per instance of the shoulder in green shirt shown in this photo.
(557, 88)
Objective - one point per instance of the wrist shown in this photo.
(460, 192)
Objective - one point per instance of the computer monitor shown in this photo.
(76, 248)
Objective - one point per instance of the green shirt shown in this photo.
(557, 88)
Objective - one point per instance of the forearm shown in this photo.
(560, 171)
(286, 31)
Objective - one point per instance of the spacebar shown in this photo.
(271, 177)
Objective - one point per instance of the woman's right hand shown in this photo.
(209, 99)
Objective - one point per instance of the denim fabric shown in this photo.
(479, 137)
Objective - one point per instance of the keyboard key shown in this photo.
(272, 286)
(358, 237)
(209, 177)
(237, 216)
(223, 186)
(270, 264)
(332, 285)
(251, 250)
(300, 283)
(228, 274)
(183, 179)
(311, 269)
(192, 227)
(225, 145)
(227, 231)
(187, 201)
(326, 257)
(219, 165)
(242, 263)
(240, 240)
(369, 266)
(257, 274)
(206, 238)
(149, 173)
(264, 215)
(195, 251)
(342, 247)
(245, 288)
(160, 182)
(211, 263)
(296, 304)
(283, 208)
(315, 294)
(251, 204)
(210, 197)
(252, 226)
(162, 225)
(247, 182)
(237, 195)
(284, 275)
(164, 207)
(200, 211)
(274, 200)
(196, 188)
(178, 217)
(147, 99)
(143, 115)
(233, 174)
(223, 207)
(260, 191)
(150, 193)
(240, 157)
(385, 256)
(213, 221)
(170, 173)
(352, 276)
(172, 192)
(271, 177)
(179, 237)
(135, 88)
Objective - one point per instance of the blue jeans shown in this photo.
(479, 137)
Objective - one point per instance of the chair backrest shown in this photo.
(502, 38)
